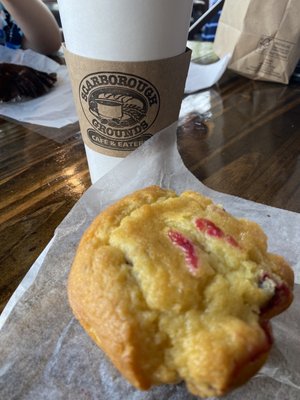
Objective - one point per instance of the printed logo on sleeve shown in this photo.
(120, 107)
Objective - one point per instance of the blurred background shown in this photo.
(205, 31)
(53, 6)
(202, 34)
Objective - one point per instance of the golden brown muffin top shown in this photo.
(174, 287)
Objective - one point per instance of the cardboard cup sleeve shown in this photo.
(122, 104)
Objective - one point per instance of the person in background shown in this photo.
(28, 24)
(209, 30)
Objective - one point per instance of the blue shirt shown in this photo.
(209, 30)
(10, 34)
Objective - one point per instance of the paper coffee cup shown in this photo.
(131, 33)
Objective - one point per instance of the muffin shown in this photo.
(19, 82)
(172, 287)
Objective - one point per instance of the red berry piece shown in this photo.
(188, 249)
(208, 227)
(229, 239)
(282, 293)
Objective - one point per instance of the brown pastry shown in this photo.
(18, 82)
(174, 288)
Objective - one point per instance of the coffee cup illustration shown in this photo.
(110, 108)
(117, 107)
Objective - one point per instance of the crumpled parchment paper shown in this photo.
(44, 352)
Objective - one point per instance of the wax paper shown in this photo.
(44, 352)
(55, 108)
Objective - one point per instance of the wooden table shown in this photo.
(242, 138)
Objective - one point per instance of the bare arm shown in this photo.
(40, 29)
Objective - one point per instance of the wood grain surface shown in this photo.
(240, 137)
(244, 139)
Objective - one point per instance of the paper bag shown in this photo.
(263, 37)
